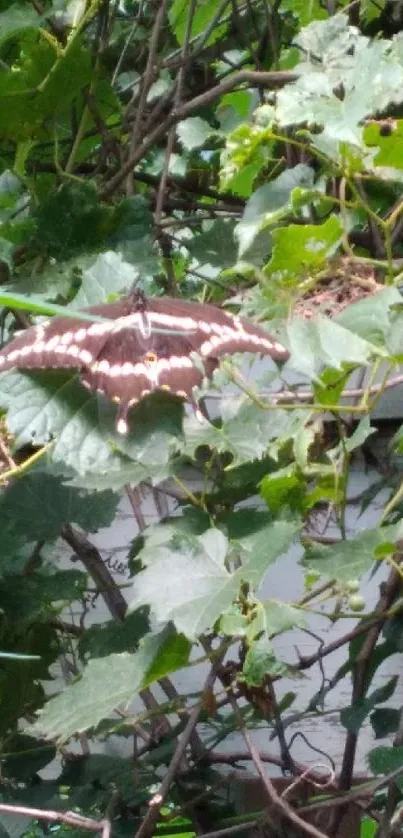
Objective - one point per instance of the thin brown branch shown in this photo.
(145, 84)
(278, 803)
(92, 561)
(69, 818)
(177, 101)
(363, 790)
(306, 661)
(233, 830)
(135, 503)
(389, 592)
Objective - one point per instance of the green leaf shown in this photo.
(306, 10)
(197, 586)
(383, 760)
(109, 275)
(234, 624)
(385, 721)
(299, 249)
(353, 717)
(106, 638)
(270, 203)
(350, 559)
(34, 600)
(283, 488)
(214, 246)
(108, 683)
(193, 132)
(361, 433)
(204, 14)
(370, 318)
(234, 436)
(19, 16)
(336, 55)
(53, 405)
(330, 385)
(261, 661)
(322, 340)
(25, 757)
(389, 143)
(38, 505)
(121, 472)
(277, 617)
(72, 219)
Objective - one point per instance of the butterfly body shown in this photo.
(142, 345)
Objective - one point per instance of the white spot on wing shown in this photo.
(73, 350)
(122, 427)
(80, 335)
(52, 343)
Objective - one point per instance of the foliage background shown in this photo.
(248, 154)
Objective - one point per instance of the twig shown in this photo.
(177, 101)
(92, 561)
(354, 794)
(232, 830)
(135, 503)
(69, 818)
(145, 84)
(307, 396)
(278, 803)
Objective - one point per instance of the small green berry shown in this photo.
(356, 602)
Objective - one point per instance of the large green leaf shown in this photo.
(106, 638)
(33, 601)
(54, 405)
(193, 132)
(187, 581)
(260, 662)
(370, 318)
(107, 683)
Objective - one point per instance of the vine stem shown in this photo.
(18, 470)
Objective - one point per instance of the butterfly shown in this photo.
(140, 345)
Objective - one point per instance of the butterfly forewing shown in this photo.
(63, 342)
